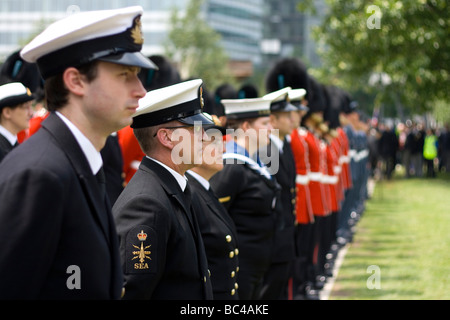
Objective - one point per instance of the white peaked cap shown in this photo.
(14, 93)
(297, 94)
(280, 100)
(246, 108)
(278, 95)
(87, 36)
(182, 101)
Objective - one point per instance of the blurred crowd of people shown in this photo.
(420, 150)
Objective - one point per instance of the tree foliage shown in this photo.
(408, 42)
(196, 48)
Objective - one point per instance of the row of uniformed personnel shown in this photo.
(157, 242)
(329, 187)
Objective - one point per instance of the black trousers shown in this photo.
(327, 236)
(302, 265)
(275, 284)
(430, 168)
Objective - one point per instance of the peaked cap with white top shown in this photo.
(107, 35)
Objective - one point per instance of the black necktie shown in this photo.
(211, 192)
(100, 176)
(188, 198)
(104, 214)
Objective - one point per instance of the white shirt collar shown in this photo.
(278, 142)
(8, 135)
(182, 180)
(203, 181)
(93, 156)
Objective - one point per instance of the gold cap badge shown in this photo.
(136, 32)
(202, 103)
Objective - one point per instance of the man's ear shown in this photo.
(246, 125)
(73, 80)
(273, 118)
(164, 137)
(6, 112)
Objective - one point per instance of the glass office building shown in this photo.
(20, 20)
(239, 23)
(254, 32)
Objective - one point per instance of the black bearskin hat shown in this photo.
(248, 91)
(224, 91)
(15, 69)
(288, 72)
(166, 75)
(331, 113)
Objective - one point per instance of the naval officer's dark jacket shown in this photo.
(160, 244)
(284, 248)
(220, 240)
(113, 167)
(5, 147)
(250, 198)
(54, 220)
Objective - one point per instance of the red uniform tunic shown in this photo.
(325, 176)
(35, 122)
(337, 150)
(35, 125)
(332, 178)
(303, 202)
(316, 188)
(344, 160)
(131, 152)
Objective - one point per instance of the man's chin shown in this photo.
(125, 122)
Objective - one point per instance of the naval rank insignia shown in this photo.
(139, 249)
(141, 253)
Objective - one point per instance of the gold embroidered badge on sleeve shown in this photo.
(141, 253)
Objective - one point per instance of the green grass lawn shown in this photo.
(401, 248)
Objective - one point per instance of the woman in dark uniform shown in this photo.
(247, 191)
(216, 226)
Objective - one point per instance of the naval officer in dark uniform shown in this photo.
(57, 235)
(283, 255)
(218, 229)
(161, 247)
(247, 190)
(15, 114)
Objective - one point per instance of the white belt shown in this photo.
(362, 154)
(329, 179)
(302, 179)
(337, 169)
(352, 153)
(315, 176)
(344, 159)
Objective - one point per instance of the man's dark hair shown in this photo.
(145, 138)
(236, 123)
(56, 93)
